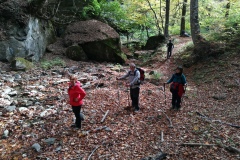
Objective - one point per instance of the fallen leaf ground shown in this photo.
(133, 136)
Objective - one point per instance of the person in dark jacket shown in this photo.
(170, 47)
(178, 81)
(76, 95)
(133, 82)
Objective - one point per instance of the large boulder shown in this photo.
(99, 41)
(154, 41)
(22, 35)
(76, 53)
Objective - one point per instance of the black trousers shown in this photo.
(169, 52)
(176, 99)
(76, 110)
(134, 94)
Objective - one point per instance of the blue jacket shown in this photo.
(179, 79)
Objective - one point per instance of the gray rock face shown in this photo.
(22, 35)
(99, 41)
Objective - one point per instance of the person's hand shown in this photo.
(75, 99)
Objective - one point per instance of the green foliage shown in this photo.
(46, 64)
(157, 75)
(91, 10)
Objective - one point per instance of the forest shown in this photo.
(63, 95)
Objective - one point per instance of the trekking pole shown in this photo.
(128, 97)
(185, 88)
(118, 94)
(164, 93)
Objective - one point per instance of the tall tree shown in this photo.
(166, 34)
(227, 9)
(184, 10)
(195, 27)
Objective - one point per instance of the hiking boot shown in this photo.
(136, 109)
(73, 126)
(178, 108)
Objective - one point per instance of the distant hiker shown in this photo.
(177, 81)
(76, 95)
(134, 84)
(170, 47)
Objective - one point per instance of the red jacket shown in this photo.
(76, 92)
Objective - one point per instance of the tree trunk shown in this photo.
(184, 10)
(156, 19)
(227, 9)
(166, 34)
(195, 27)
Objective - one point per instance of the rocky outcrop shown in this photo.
(99, 41)
(22, 35)
(76, 52)
(153, 42)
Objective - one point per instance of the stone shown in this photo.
(4, 102)
(47, 112)
(21, 64)
(23, 110)
(5, 134)
(153, 42)
(36, 146)
(50, 141)
(10, 108)
(98, 40)
(76, 53)
(220, 96)
(17, 76)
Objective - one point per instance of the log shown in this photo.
(104, 117)
(232, 149)
(89, 157)
(197, 144)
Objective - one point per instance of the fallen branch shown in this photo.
(232, 149)
(170, 122)
(197, 144)
(89, 157)
(228, 148)
(211, 120)
(104, 117)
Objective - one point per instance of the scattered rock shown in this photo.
(50, 141)
(36, 146)
(47, 112)
(219, 96)
(5, 134)
(10, 108)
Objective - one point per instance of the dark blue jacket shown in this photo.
(179, 79)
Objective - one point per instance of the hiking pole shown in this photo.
(185, 88)
(164, 93)
(118, 94)
(128, 97)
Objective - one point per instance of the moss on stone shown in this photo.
(27, 65)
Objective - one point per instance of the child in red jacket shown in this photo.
(76, 95)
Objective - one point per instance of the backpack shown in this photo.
(142, 75)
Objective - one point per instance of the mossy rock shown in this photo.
(21, 64)
(76, 53)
